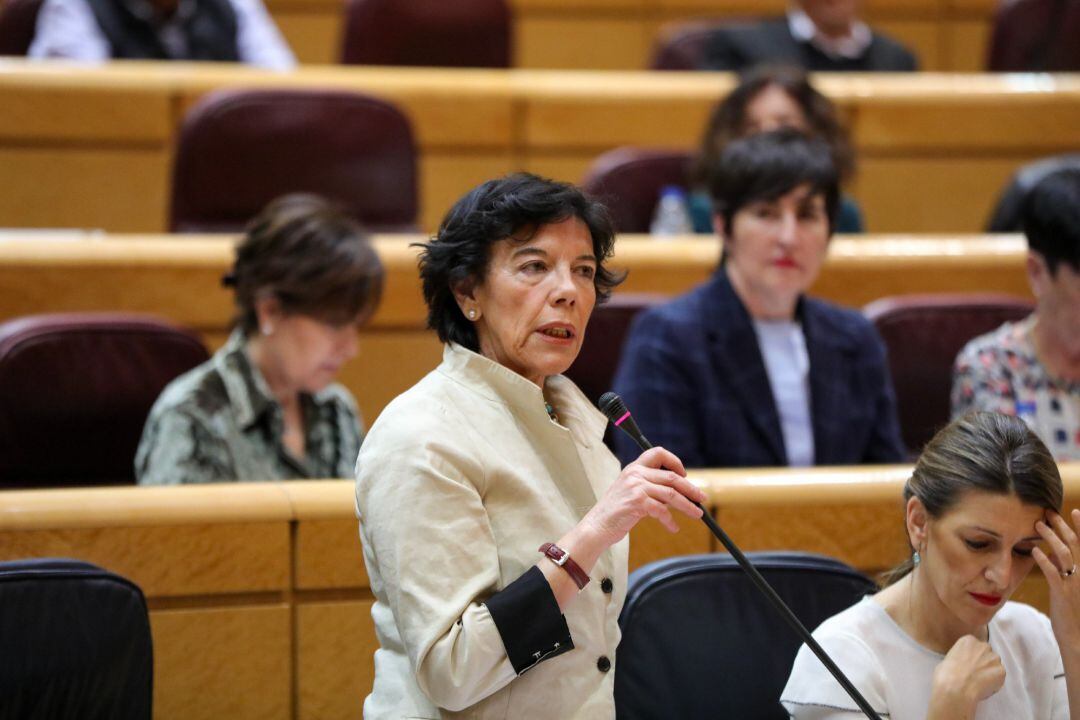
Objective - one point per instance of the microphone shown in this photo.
(616, 411)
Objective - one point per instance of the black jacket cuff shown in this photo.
(528, 620)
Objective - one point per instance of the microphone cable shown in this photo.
(616, 411)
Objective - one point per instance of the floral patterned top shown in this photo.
(1000, 372)
(219, 422)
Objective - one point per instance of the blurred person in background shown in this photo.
(205, 30)
(265, 406)
(818, 35)
(746, 370)
(769, 98)
(1031, 368)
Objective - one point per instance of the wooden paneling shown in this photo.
(335, 665)
(169, 561)
(121, 189)
(109, 166)
(315, 37)
(952, 193)
(446, 176)
(214, 663)
(328, 555)
(605, 43)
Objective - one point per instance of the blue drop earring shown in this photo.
(916, 558)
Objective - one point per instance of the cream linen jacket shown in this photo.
(459, 481)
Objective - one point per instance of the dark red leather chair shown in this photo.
(629, 180)
(595, 366)
(923, 334)
(18, 22)
(1035, 36)
(441, 33)
(681, 45)
(240, 149)
(75, 390)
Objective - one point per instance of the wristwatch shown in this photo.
(562, 558)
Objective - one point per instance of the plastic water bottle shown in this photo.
(672, 216)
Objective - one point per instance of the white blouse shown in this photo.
(894, 673)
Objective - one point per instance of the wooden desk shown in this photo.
(92, 147)
(260, 605)
(619, 34)
(178, 277)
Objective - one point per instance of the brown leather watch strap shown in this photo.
(561, 558)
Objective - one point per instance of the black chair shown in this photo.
(1006, 214)
(75, 643)
(700, 641)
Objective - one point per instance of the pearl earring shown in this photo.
(472, 314)
(266, 329)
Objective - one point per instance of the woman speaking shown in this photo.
(493, 518)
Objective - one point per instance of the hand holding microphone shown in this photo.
(651, 486)
(616, 411)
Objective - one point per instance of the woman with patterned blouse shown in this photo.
(1031, 368)
(265, 407)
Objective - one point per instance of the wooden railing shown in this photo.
(260, 603)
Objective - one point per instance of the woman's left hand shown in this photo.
(1062, 575)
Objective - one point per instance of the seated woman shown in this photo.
(768, 98)
(1031, 368)
(486, 496)
(264, 407)
(746, 370)
(944, 640)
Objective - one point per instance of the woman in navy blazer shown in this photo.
(746, 370)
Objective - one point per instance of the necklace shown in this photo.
(551, 412)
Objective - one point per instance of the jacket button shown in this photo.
(606, 585)
(603, 664)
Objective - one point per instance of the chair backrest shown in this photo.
(441, 33)
(629, 180)
(240, 149)
(18, 23)
(699, 640)
(75, 390)
(76, 643)
(680, 45)
(1035, 36)
(923, 334)
(595, 366)
(1006, 215)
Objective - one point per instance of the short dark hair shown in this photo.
(728, 120)
(312, 257)
(1050, 216)
(458, 255)
(768, 165)
(985, 452)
